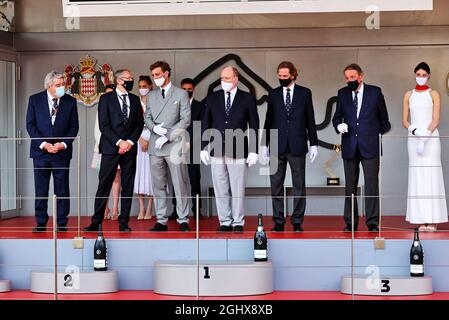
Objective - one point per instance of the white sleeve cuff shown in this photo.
(65, 146)
(42, 145)
(132, 143)
(118, 142)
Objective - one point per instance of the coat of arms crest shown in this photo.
(87, 80)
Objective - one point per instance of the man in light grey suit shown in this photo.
(168, 116)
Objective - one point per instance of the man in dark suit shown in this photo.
(361, 116)
(290, 112)
(196, 114)
(120, 119)
(52, 113)
(229, 117)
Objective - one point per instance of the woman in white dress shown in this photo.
(142, 183)
(426, 200)
(96, 161)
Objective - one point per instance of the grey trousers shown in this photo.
(161, 170)
(229, 179)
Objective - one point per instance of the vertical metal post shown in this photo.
(78, 191)
(55, 249)
(285, 202)
(380, 185)
(352, 245)
(197, 221)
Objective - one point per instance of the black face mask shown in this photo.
(128, 85)
(285, 82)
(190, 93)
(353, 85)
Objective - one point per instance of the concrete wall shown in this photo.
(387, 55)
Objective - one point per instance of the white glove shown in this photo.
(313, 153)
(159, 130)
(265, 155)
(423, 134)
(252, 159)
(205, 158)
(411, 128)
(420, 148)
(160, 142)
(342, 128)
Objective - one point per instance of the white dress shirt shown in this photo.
(119, 97)
(233, 92)
(359, 97)
(53, 118)
(292, 88)
(166, 88)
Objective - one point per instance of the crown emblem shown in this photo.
(87, 62)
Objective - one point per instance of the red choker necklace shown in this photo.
(421, 88)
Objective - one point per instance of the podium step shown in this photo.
(5, 285)
(213, 278)
(387, 286)
(75, 282)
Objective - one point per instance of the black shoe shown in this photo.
(159, 227)
(278, 228)
(62, 229)
(238, 229)
(224, 229)
(173, 216)
(297, 228)
(373, 229)
(348, 228)
(91, 228)
(39, 229)
(124, 228)
(184, 226)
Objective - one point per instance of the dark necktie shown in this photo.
(163, 93)
(288, 102)
(54, 109)
(124, 109)
(228, 104)
(356, 102)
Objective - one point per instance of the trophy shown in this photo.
(332, 179)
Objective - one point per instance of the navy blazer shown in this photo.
(363, 133)
(243, 114)
(110, 121)
(196, 114)
(293, 130)
(38, 124)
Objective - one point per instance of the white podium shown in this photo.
(5, 285)
(75, 282)
(213, 278)
(387, 286)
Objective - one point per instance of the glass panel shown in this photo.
(8, 176)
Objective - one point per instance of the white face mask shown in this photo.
(226, 86)
(421, 81)
(143, 92)
(159, 81)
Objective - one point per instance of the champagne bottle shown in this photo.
(260, 242)
(100, 252)
(416, 257)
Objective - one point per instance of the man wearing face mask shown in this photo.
(229, 113)
(168, 117)
(120, 119)
(361, 115)
(52, 113)
(290, 112)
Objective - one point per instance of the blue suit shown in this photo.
(363, 133)
(40, 128)
(361, 145)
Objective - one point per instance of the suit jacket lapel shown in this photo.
(46, 110)
(365, 99)
(352, 110)
(235, 102)
(163, 102)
